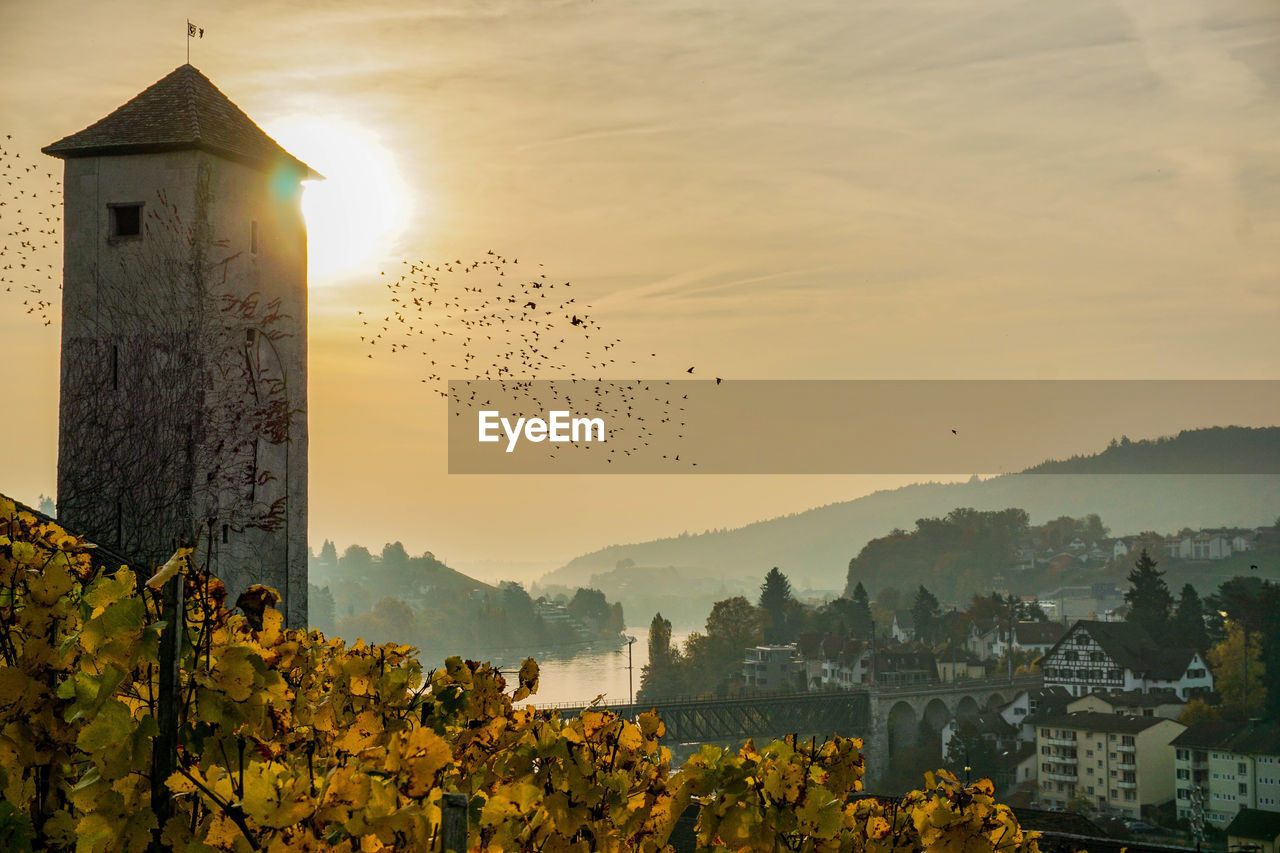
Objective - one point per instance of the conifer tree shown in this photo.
(860, 627)
(925, 612)
(1188, 621)
(1150, 604)
(775, 596)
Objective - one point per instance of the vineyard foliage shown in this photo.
(288, 741)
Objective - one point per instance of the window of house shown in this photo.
(126, 219)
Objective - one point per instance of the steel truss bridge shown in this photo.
(707, 719)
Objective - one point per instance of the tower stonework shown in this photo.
(182, 416)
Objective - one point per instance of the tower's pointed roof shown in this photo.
(183, 110)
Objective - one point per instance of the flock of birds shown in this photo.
(469, 323)
(31, 225)
(491, 333)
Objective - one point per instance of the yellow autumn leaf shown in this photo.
(170, 568)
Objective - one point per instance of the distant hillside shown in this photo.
(814, 547)
(1219, 450)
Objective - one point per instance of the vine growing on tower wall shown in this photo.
(176, 379)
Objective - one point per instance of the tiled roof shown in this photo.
(1039, 633)
(1132, 648)
(1253, 738)
(1138, 699)
(1095, 721)
(987, 723)
(182, 111)
(1256, 825)
(951, 654)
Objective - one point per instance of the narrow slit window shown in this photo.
(115, 368)
(225, 530)
(126, 220)
(253, 236)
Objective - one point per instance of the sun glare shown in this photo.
(355, 215)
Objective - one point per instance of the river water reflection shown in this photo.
(573, 675)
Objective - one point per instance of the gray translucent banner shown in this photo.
(862, 426)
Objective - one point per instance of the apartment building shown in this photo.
(772, 667)
(1236, 766)
(1118, 762)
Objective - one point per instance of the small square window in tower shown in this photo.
(126, 220)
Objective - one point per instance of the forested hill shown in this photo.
(814, 547)
(1219, 450)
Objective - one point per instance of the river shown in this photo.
(577, 677)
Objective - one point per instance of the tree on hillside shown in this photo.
(517, 603)
(925, 613)
(889, 599)
(591, 607)
(1094, 529)
(775, 595)
(356, 561)
(1150, 604)
(986, 608)
(394, 558)
(860, 614)
(1238, 676)
(1188, 620)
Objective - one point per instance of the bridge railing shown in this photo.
(696, 698)
(960, 685)
(931, 687)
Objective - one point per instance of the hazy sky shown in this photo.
(889, 189)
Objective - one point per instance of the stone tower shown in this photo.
(183, 404)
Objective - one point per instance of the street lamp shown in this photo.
(630, 691)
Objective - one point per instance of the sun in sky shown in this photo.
(356, 215)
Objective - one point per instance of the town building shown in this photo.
(1035, 638)
(773, 667)
(1114, 657)
(1118, 763)
(1070, 603)
(1028, 706)
(1235, 766)
(903, 627)
(183, 408)
(958, 665)
(1131, 703)
(1254, 830)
